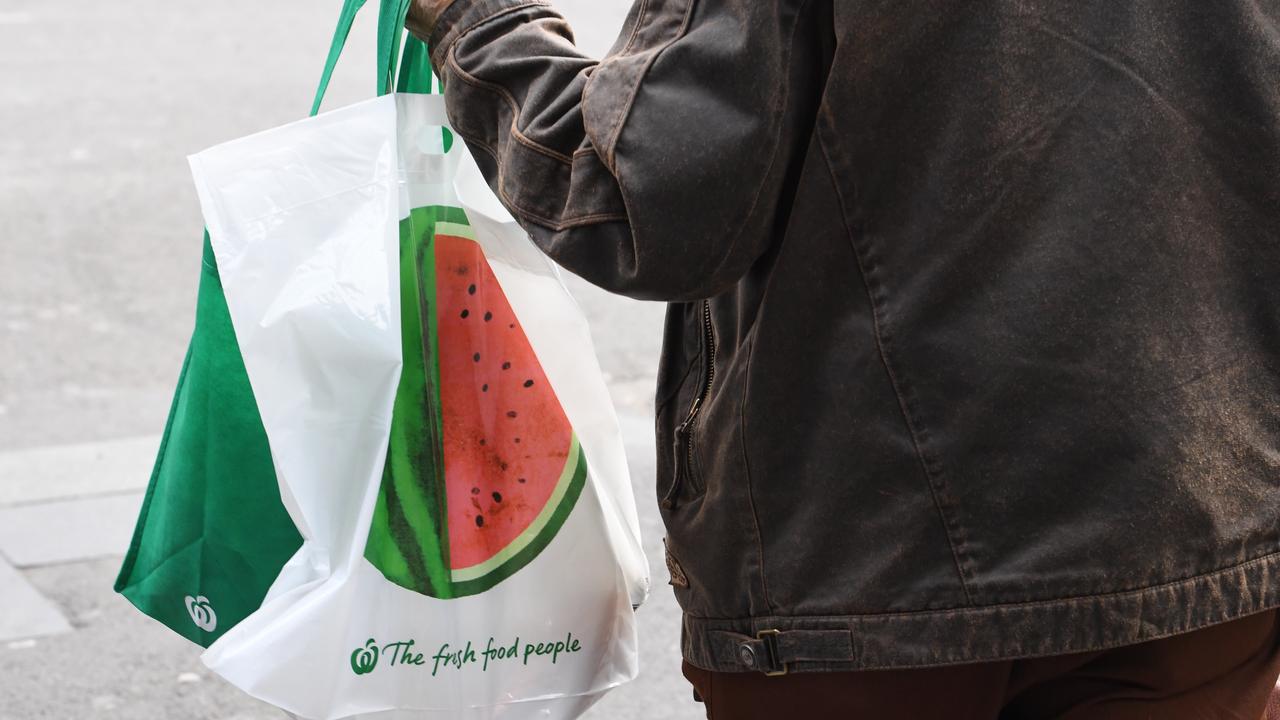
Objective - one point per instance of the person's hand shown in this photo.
(423, 14)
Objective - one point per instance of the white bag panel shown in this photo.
(294, 654)
(304, 221)
(426, 170)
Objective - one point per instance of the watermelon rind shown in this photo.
(517, 554)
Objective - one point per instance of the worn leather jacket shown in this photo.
(973, 344)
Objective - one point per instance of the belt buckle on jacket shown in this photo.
(770, 640)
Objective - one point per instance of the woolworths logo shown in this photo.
(457, 657)
(365, 659)
(202, 613)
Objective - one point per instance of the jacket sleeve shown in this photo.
(654, 173)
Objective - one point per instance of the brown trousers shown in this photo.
(1223, 672)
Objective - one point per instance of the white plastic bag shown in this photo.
(440, 428)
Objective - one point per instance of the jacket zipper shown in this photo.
(684, 432)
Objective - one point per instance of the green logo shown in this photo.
(365, 659)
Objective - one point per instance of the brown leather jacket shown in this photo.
(973, 350)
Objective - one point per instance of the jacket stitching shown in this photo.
(697, 476)
(536, 147)
(479, 142)
(779, 110)
(1208, 576)
(1070, 648)
(554, 225)
(635, 30)
(448, 43)
(742, 403)
(684, 378)
(893, 379)
(746, 466)
(515, 111)
(566, 224)
(615, 130)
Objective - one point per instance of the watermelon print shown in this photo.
(483, 466)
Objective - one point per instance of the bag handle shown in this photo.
(345, 19)
(415, 68)
(416, 76)
(391, 17)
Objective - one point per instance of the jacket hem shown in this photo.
(934, 638)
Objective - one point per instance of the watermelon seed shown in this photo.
(520, 480)
(511, 413)
(512, 326)
(465, 313)
(497, 497)
(503, 466)
(528, 383)
(488, 316)
(475, 491)
(506, 366)
(517, 441)
(471, 290)
(484, 388)
(479, 521)
(482, 441)
(476, 357)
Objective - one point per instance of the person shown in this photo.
(969, 398)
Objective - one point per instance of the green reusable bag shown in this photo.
(213, 533)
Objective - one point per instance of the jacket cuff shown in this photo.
(461, 17)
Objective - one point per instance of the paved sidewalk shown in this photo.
(59, 505)
(71, 648)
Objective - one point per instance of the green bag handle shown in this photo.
(415, 68)
(391, 17)
(345, 19)
(416, 73)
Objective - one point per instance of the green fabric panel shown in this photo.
(212, 523)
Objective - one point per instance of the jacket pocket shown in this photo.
(683, 442)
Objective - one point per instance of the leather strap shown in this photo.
(772, 651)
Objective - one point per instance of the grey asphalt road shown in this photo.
(99, 248)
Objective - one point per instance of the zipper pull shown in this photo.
(693, 412)
(668, 501)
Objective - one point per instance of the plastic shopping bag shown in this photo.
(440, 429)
